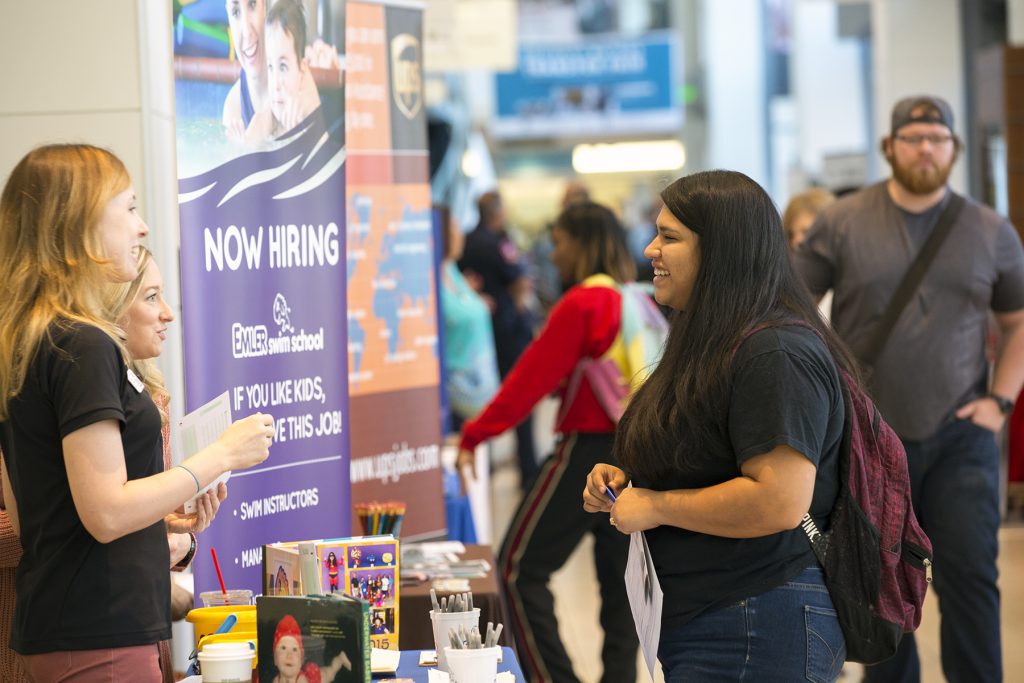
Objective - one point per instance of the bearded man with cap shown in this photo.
(930, 378)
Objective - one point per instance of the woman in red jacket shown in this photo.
(588, 241)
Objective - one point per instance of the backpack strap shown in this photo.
(572, 388)
(581, 370)
(912, 279)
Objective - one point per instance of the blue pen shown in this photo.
(610, 493)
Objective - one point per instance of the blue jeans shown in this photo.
(954, 479)
(790, 633)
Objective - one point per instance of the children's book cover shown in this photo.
(322, 638)
(281, 570)
(364, 567)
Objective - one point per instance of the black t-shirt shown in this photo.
(75, 593)
(920, 225)
(785, 391)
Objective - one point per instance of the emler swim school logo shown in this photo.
(406, 80)
(251, 341)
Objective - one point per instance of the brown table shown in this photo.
(414, 630)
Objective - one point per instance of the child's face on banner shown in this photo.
(284, 69)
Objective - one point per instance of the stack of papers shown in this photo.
(442, 551)
(441, 561)
(384, 661)
(438, 676)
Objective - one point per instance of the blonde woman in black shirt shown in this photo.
(83, 478)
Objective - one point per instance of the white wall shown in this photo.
(160, 177)
(78, 72)
(733, 60)
(71, 74)
(1015, 22)
(917, 49)
(828, 86)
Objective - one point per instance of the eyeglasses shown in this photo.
(915, 140)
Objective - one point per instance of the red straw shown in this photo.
(216, 565)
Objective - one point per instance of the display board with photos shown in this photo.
(363, 567)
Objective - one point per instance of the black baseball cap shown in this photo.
(929, 109)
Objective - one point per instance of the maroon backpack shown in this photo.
(877, 561)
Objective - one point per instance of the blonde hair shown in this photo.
(811, 201)
(51, 253)
(117, 299)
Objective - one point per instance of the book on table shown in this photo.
(324, 638)
(363, 567)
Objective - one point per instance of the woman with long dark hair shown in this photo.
(592, 258)
(731, 440)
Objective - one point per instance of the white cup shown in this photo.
(443, 621)
(226, 663)
(473, 666)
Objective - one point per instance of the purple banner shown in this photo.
(261, 167)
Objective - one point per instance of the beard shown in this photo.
(921, 179)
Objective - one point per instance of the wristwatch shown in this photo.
(1005, 404)
(184, 562)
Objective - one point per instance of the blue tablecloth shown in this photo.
(409, 666)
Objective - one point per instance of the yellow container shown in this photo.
(233, 636)
(206, 620)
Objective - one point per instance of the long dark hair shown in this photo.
(601, 239)
(745, 279)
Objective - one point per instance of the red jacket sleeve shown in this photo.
(584, 323)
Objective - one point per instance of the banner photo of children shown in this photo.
(249, 74)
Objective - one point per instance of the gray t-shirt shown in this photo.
(934, 360)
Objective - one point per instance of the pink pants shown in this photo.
(117, 665)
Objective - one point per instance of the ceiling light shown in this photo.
(629, 157)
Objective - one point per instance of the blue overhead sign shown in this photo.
(603, 87)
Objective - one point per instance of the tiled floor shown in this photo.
(576, 596)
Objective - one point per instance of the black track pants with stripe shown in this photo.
(547, 527)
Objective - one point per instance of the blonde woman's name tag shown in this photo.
(134, 380)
